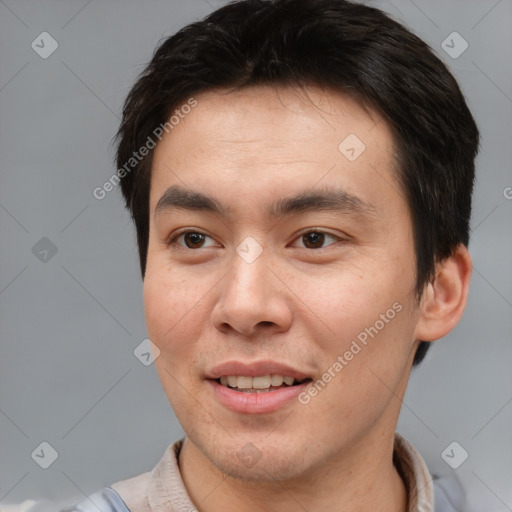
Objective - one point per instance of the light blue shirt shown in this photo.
(447, 495)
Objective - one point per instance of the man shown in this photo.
(300, 177)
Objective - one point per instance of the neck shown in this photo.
(362, 479)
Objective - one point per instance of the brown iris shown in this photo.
(193, 240)
(313, 240)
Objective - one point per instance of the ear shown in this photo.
(444, 299)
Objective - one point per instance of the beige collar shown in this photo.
(163, 490)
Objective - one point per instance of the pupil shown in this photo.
(194, 239)
(315, 239)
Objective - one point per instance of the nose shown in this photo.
(253, 300)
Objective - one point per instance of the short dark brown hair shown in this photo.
(334, 44)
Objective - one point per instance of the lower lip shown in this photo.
(256, 403)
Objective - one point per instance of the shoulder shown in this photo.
(106, 500)
(449, 495)
(429, 492)
(134, 491)
(130, 495)
(123, 496)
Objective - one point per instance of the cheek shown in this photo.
(363, 353)
(174, 311)
(371, 325)
(347, 301)
(174, 320)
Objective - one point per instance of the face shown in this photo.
(280, 248)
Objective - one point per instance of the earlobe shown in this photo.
(444, 299)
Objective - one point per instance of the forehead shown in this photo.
(262, 138)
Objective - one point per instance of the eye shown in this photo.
(197, 240)
(317, 239)
(191, 240)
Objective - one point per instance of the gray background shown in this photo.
(69, 325)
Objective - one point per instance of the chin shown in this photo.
(266, 463)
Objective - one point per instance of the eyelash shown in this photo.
(174, 238)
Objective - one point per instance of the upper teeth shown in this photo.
(260, 382)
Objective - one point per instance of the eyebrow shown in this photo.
(330, 199)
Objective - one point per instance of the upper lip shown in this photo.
(254, 369)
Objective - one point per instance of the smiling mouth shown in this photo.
(259, 384)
